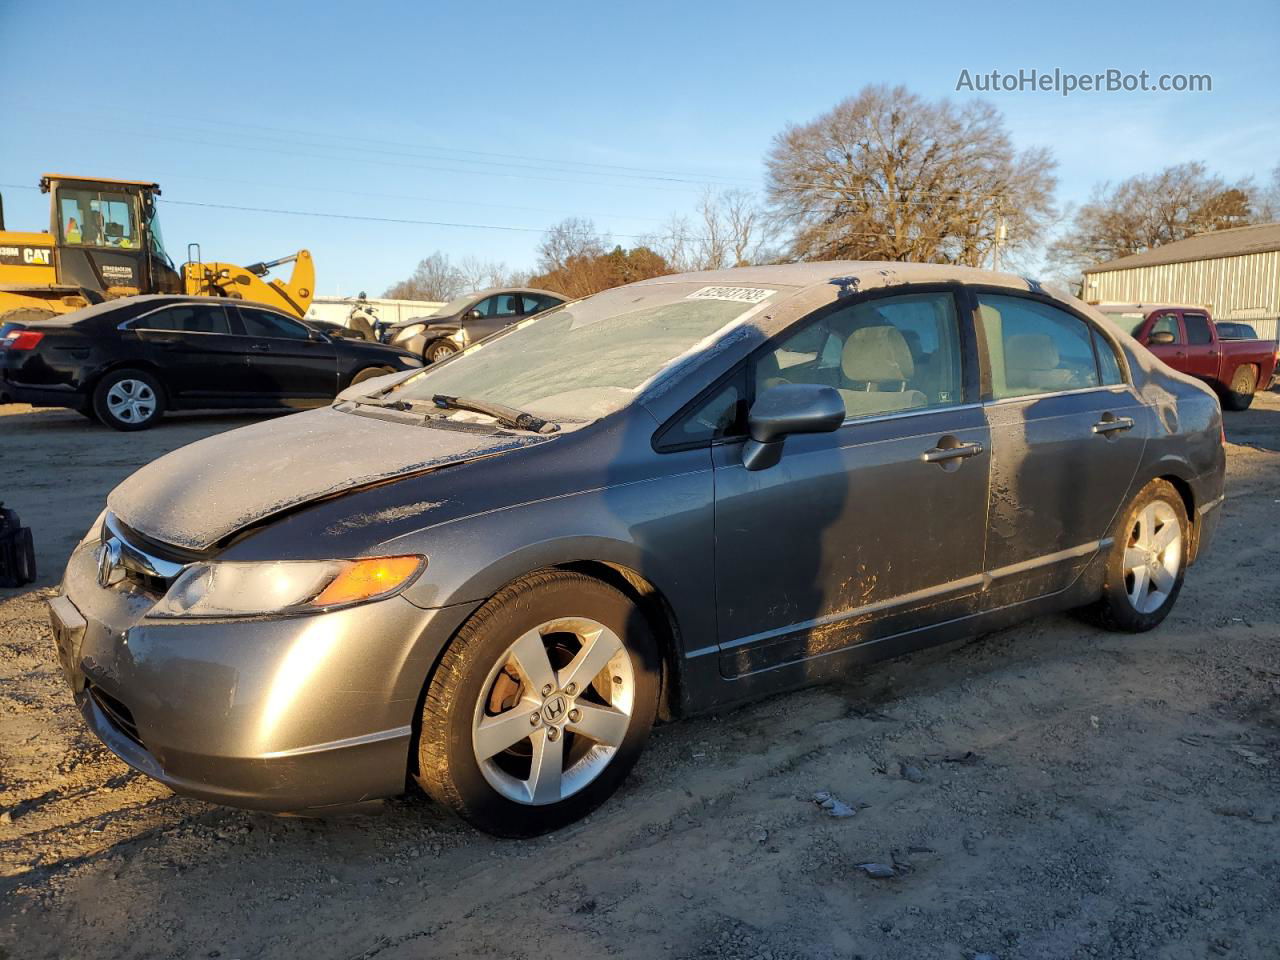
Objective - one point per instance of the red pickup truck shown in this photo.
(1186, 338)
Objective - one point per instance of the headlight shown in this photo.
(285, 587)
(408, 333)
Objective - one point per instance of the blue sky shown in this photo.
(518, 115)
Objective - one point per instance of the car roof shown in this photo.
(811, 274)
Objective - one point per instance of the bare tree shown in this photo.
(434, 278)
(887, 175)
(1150, 210)
(478, 274)
(572, 237)
(727, 230)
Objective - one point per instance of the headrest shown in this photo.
(877, 355)
(1030, 351)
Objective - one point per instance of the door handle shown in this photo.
(1114, 425)
(260, 347)
(958, 452)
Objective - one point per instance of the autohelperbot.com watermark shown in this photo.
(1065, 83)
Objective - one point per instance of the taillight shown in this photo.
(23, 339)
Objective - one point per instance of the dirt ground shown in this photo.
(1049, 791)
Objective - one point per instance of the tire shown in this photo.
(438, 350)
(128, 400)
(507, 661)
(368, 373)
(1244, 382)
(1125, 606)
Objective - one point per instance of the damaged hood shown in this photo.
(199, 494)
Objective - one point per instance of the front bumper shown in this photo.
(285, 715)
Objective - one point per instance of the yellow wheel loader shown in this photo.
(104, 242)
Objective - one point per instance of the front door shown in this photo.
(193, 344)
(1173, 353)
(1067, 434)
(490, 315)
(874, 530)
(287, 359)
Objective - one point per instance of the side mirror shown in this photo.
(472, 315)
(1161, 338)
(786, 409)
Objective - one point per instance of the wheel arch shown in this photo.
(146, 366)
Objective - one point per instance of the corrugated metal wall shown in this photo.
(1245, 288)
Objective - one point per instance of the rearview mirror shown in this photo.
(1161, 338)
(786, 409)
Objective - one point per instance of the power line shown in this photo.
(294, 134)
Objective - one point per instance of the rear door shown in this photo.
(286, 359)
(193, 346)
(1067, 434)
(1203, 356)
(876, 529)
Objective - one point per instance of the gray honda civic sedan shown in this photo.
(492, 576)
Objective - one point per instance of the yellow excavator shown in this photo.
(104, 242)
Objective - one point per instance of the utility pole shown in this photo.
(1002, 234)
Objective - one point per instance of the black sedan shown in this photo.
(469, 318)
(126, 361)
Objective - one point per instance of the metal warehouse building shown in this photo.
(1235, 273)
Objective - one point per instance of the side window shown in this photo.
(882, 355)
(1166, 323)
(1035, 348)
(1198, 331)
(534, 303)
(1108, 362)
(506, 305)
(722, 414)
(191, 319)
(486, 307)
(264, 323)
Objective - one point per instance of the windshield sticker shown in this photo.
(736, 294)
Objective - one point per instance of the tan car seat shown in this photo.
(877, 364)
(1031, 363)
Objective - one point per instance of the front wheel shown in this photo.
(1147, 562)
(540, 705)
(368, 373)
(1243, 384)
(439, 350)
(128, 400)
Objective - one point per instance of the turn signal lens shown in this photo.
(367, 578)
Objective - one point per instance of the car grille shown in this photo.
(116, 712)
(142, 565)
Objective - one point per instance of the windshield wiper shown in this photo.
(506, 416)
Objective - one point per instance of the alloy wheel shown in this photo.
(1153, 556)
(554, 710)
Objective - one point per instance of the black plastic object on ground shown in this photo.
(17, 551)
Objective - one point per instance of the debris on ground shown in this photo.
(834, 806)
(881, 871)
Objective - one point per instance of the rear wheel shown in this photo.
(439, 350)
(1147, 562)
(128, 400)
(1243, 385)
(540, 705)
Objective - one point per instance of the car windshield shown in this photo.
(587, 359)
(1129, 322)
(453, 306)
